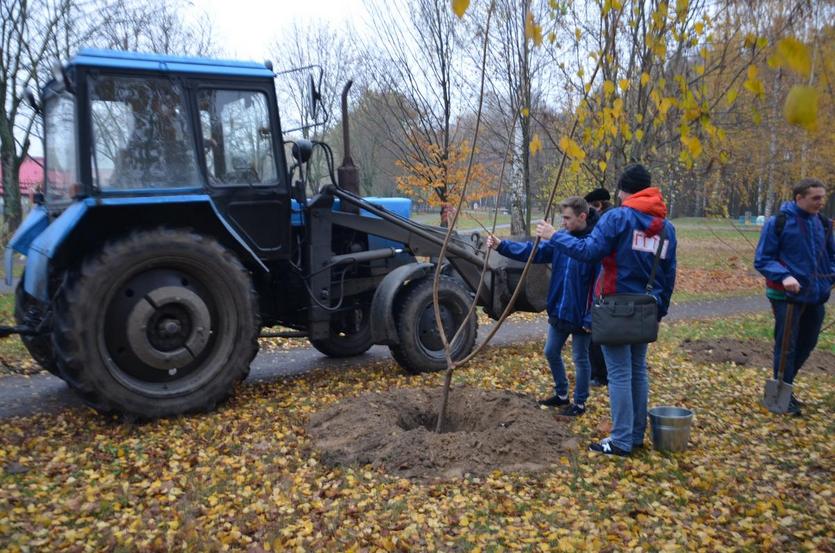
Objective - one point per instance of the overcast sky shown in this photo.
(246, 29)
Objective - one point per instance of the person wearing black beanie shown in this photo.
(634, 178)
(599, 199)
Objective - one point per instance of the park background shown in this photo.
(728, 104)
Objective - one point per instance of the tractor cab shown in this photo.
(123, 125)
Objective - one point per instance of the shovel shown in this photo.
(778, 393)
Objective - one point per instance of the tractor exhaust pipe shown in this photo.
(348, 174)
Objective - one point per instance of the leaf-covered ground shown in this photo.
(245, 477)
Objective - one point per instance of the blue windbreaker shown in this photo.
(572, 281)
(624, 240)
(804, 250)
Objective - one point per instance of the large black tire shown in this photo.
(420, 348)
(348, 337)
(160, 323)
(29, 312)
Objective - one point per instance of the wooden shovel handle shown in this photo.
(787, 332)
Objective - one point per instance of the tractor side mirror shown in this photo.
(32, 100)
(314, 97)
(302, 150)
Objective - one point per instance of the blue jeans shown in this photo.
(807, 319)
(582, 368)
(628, 393)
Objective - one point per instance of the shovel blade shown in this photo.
(777, 396)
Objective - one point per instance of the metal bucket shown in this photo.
(670, 427)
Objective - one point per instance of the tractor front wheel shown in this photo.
(160, 323)
(420, 348)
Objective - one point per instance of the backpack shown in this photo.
(780, 223)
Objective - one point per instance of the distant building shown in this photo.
(31, 176)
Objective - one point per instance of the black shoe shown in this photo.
(794, 408)
(554, 401)
(596, 382)
(573, 410)
(797, 401)
(608, 448)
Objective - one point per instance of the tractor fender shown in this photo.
(383, 327)
(58, 235)
(32, 226)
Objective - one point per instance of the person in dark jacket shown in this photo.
(626, 239)
(600, 200)
(796, 255)
(569, 301)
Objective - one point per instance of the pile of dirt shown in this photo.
(484, 430)
(754, 353)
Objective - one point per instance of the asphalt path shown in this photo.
(28, 395)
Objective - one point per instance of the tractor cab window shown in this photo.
(141, 134)
(61, 152)
(237, 137)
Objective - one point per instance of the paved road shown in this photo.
(21, 396)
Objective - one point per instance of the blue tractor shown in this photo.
(173, 228)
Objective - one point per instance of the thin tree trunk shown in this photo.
(11, 190)
(517, 188)
(772, 145)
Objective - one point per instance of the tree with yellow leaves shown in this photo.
(437, 176)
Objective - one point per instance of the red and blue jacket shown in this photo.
(804, 249)
(625, 241)
(572, 281)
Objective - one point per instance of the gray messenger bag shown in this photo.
(626, 319)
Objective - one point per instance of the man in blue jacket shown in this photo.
(625, 240)
(796, 255)
(569, 301)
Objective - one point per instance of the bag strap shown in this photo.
(661, 237)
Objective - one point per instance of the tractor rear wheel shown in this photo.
(420, 348)
(29, 312)
(350, 335)
(160, 323)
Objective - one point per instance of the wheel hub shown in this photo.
(428, 331)
(169, 327)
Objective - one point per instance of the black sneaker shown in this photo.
(608, 448)
(797, 401)
(573, 410)
(794, 408)
(554, 401)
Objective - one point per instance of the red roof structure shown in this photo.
(31, 175)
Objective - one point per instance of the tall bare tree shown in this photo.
(26, 33)
(416, 68)
(159, 26)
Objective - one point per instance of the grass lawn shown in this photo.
(246, 477)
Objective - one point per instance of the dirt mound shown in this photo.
(484, 430)
(754, 353)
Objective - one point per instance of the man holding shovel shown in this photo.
(796, 255)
